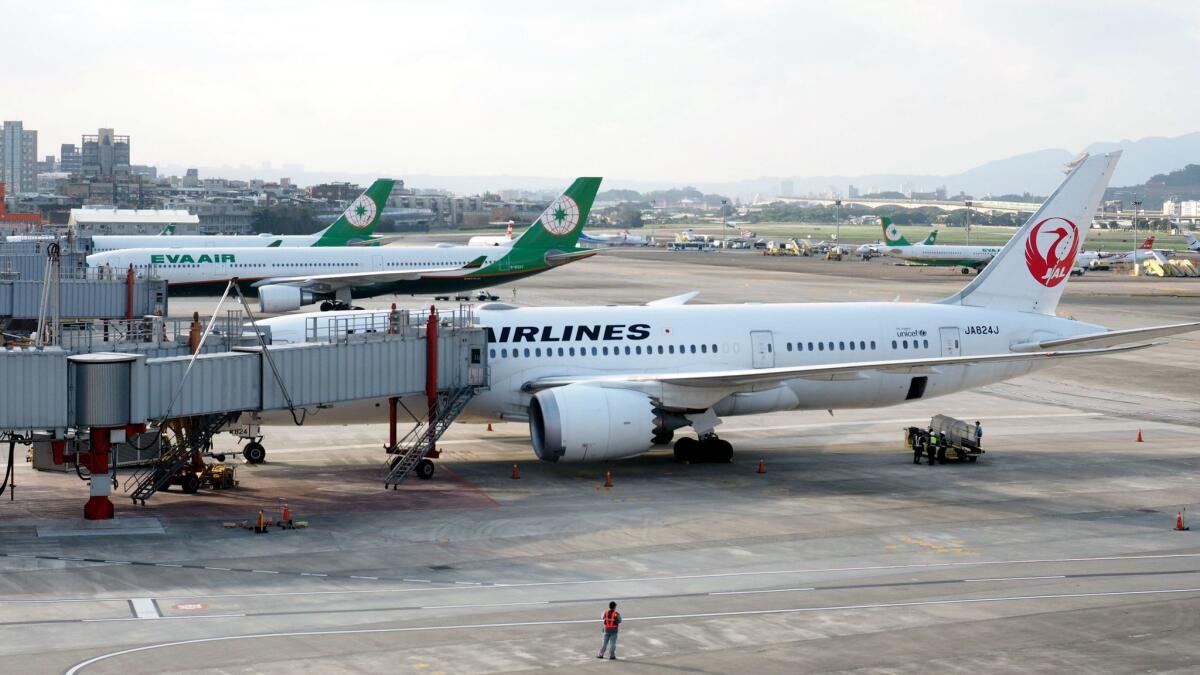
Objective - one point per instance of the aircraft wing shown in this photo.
(325, 283)
(1108, 338)
(376, 240)
(724, 382)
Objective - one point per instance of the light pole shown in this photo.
(724, 225)
(968, 222)
(837, 223)
(1136, 204)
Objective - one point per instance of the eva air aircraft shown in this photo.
(598, 383)
(355, 227)
(288, 278)
(929, 253)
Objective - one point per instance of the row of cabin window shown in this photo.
(604, 351)
(842, 345)
(830, 346)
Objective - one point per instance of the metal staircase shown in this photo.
(410, 450)
(148, 480)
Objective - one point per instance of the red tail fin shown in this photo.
(1148, 244)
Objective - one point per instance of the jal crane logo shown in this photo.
(1050, 250)
(561, 217)
(361, 212)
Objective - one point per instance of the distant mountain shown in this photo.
(1036, 172)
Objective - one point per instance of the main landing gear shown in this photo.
(335, 305)
(707, 448)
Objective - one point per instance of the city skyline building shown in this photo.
(69, 159)
(105, 154)
(18, 157)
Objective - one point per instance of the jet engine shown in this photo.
(280, 298)
(583, 423)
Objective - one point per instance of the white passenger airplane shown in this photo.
(289, 278)
(1192, 242)
(609, 382)
(934, 254)
(505, 239)
(355, 227)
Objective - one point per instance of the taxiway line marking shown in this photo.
(460, 585)
(73, 670)
(496, 604)
(163, 618)
(1053, 576)
(772, 590)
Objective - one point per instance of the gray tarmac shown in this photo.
(1054, 553)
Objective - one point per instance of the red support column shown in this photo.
(391, 446)
(98, 506)
(431, 370)
(129, 293)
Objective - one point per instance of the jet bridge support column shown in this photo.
(431, 371)
(98, 506)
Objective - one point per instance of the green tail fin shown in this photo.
(275, 244)
(168, 230)
(561, 223)
(358, 222)
(931, 239)
(891, 233)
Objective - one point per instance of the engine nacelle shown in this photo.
(581, 423)
(280, 298)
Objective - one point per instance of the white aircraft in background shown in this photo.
(937, 255)
(623, 238)
(1192, 242)
(289, 278)
(607, 382)
(494, 240)
(1089, 259)
(355, 227)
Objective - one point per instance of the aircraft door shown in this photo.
(762, 349)
(376, 263)
(950, 341)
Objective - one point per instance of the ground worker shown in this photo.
(919, 441)
(612, 620)
(933, 441)
(978, 434)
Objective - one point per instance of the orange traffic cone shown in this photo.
(1179, 526)
(608, 479)
(1139, 440)
(762, 466)
(285, 514)
(489, 426)
(516, 472)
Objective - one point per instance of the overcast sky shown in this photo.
(688, 91)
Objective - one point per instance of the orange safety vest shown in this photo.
(610, 619)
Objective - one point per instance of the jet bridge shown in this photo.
(86, 402)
